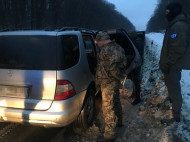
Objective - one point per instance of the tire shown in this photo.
(86, 117)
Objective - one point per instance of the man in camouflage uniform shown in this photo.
(110, 72)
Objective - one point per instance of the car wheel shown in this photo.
(86, 117)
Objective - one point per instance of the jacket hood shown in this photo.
(175, 8)
(180, 17)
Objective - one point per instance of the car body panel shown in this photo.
(136, 62)
(39, 85)
(60, 114)
(35, 103)
(80, 74)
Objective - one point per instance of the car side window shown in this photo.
(90, 52)
(89, 45)
(70, 49)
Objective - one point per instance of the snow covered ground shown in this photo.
(151, 72)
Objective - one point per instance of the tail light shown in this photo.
(64, 90)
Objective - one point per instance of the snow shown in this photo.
(151, 70)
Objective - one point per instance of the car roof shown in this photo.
(29, 32)
(46, 32)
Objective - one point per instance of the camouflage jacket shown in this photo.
(111, 63)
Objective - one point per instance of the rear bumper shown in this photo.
(61, 113)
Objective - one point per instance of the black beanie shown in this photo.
(175, 9)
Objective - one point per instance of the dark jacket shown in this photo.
(175, 53)
(111, 63)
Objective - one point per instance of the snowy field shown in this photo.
(154, 44)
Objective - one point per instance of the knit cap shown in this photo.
(102, 35)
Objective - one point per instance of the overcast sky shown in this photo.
(137, 11)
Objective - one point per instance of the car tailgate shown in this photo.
(28, 89)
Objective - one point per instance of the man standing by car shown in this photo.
(175, 56)
(110, 72)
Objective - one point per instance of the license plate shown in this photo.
(14, 91)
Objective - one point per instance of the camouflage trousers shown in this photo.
(111, 108)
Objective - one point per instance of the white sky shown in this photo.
(137, 11)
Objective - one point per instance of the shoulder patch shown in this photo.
(174, 35)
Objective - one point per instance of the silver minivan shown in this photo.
(46, 77)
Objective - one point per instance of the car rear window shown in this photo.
(28, 52)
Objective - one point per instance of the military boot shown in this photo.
(168, 121)
(103, 139)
